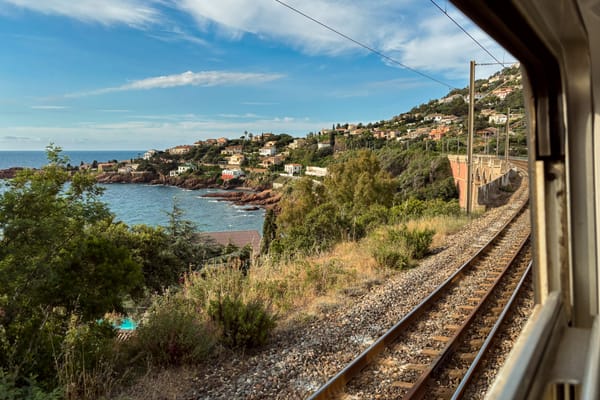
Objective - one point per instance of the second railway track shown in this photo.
(407, 360)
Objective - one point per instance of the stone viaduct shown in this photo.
(490, 175)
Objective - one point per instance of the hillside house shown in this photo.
(229, 174)
(316, 171)
(297, 143)
(267, 151)
(231, 150)
(236, 159)
(293, 169)
(502, 92)
(222, 141)
(497, 119)
(489, 132)
(148, 155)
(105, 167)
(433, 118)
(449, 119)
(185, 168)
(323, 145)
(439, 132)
(127, 169)
(180, 150)
(270, 161)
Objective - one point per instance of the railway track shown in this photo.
(428, 353)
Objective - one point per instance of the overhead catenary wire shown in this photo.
(372, 50)
(467, 33)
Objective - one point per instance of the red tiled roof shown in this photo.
(237, 238)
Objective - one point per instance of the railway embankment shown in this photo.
(320, 340)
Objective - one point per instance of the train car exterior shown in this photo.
(558, 45)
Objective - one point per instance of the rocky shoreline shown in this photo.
(244, 196)
(10, 173)
(266, 198)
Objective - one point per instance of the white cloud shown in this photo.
(130, 12)
(113, 110)
(247, 115)
(413, 32)
(270, 20)
(49, 107)
(189, 78)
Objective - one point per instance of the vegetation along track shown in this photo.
(407, 360)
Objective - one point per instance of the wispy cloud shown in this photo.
(247, 115)
(189, 78)
(130, 12)
(175, 34)
(411, 31)
(258, 103)
(113, 110)
(49, 107)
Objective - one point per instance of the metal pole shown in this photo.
(470, 139)
(507, 139)
(497, 142)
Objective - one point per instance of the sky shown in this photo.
(135, 74)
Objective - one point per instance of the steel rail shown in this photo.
(341, 379)
(420, 386)
(460, 390)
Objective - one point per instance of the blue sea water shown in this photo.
(150, 204)
(36, 159)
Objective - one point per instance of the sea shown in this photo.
(150, 204)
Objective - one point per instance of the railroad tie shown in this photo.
(416, 367)
(457, 373)
(430, 352)
(468, 357)
(402, 385)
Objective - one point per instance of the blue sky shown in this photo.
(133, 74)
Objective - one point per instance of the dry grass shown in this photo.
(164, 384)
(298, 291)
(442, 225)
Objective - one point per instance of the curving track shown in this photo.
(438, 344)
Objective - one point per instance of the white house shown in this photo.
(293, 169)
(268, 151)
(497, 119)
(228, 174)
(148, 155)
(323, 145)
(316, 171)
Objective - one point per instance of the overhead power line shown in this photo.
(466, 33)
(372, 50)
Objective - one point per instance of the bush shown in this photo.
(174, 333)
(398, 247)
(244, 325)
(88, 363)
(415, 242)
(30, 390)
(388, 257)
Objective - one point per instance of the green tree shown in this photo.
(52, 264)
(269, 231)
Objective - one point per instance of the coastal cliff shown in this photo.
(266, 198)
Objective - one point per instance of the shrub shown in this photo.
(244, 325)
(398, 247)
(174, 333)
(416, 242)
(88, 364)
(388, 257)
(29, 390)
